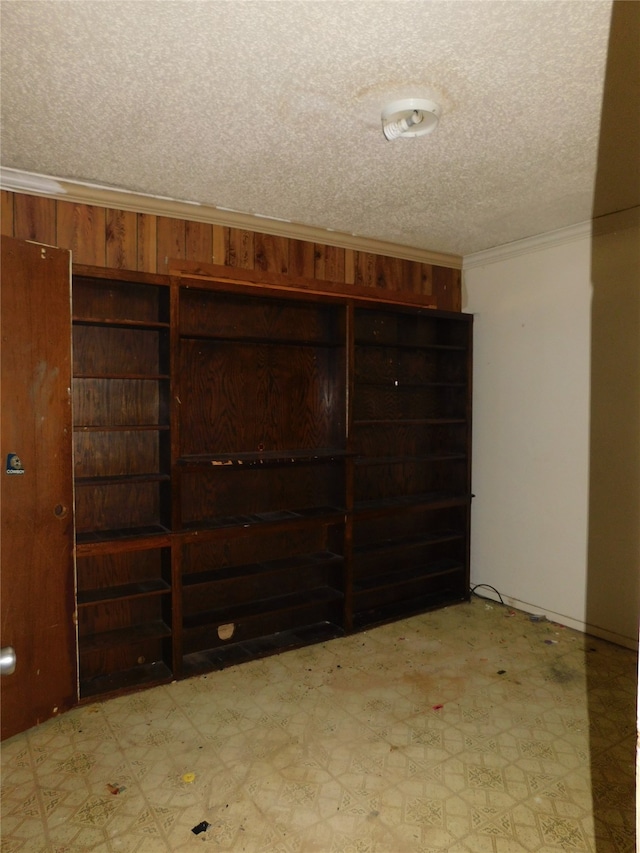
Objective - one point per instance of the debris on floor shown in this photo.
(116, 789)
(189, 777)
(201, 827)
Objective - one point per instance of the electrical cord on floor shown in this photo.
(488, 586)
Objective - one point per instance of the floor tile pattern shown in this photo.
(472, 729)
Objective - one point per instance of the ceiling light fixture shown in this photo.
(409, 117)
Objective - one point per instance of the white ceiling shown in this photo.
(273, 108)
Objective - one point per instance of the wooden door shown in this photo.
(37, 573)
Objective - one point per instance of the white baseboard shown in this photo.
(561, 619)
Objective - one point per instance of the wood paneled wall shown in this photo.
(123, 239)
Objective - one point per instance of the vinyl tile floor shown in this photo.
(469, 729)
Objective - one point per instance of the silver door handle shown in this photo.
(7, 660)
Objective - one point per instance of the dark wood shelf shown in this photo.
(120, 323)
(151, 542)
(121, 428)
(222, 657)
(264, 341)
(345, 420)
(402, 385)
(147, 377)
(406, 544)
(409, 421)
(324, 514)
(121, 355)
(144, 675)
(123, 479)
(124, 636)
(398, 578)
(427, 499)
(405, 345)
(260, 458)
(298, 563)
(256, 609)
(404, 460)
(91, 536)
(394, 610)
(154, 586)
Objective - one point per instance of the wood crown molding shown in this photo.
(78, 192)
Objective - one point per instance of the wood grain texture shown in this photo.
(240, 251)
(231, 592)
(234, 276)
(329, 263)
(447, 288)
(147, 252)
(37, 508)
(112, 350)
(271, 254)
(252, 546)
(123, 298)
(35, 219)
(198, 241)
(422, 277)
(121, 239)
(222, 491)
(81, 228)
(245, 317)
(115, 453)
(112, 615)
(237, 398)
(364, 269)
(148, 243)
(107, 570)
(116, 402)
(301, 258)
(6, 213)
(114, 662)
(392, 273)
(219, 245)
(349, 266)
(116, 507)
(172, 241)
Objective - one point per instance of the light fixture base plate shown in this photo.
(396, 111)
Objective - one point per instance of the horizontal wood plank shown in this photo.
(126, 240)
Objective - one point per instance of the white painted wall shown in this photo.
(531, 450)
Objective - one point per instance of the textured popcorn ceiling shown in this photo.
(273, 108)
